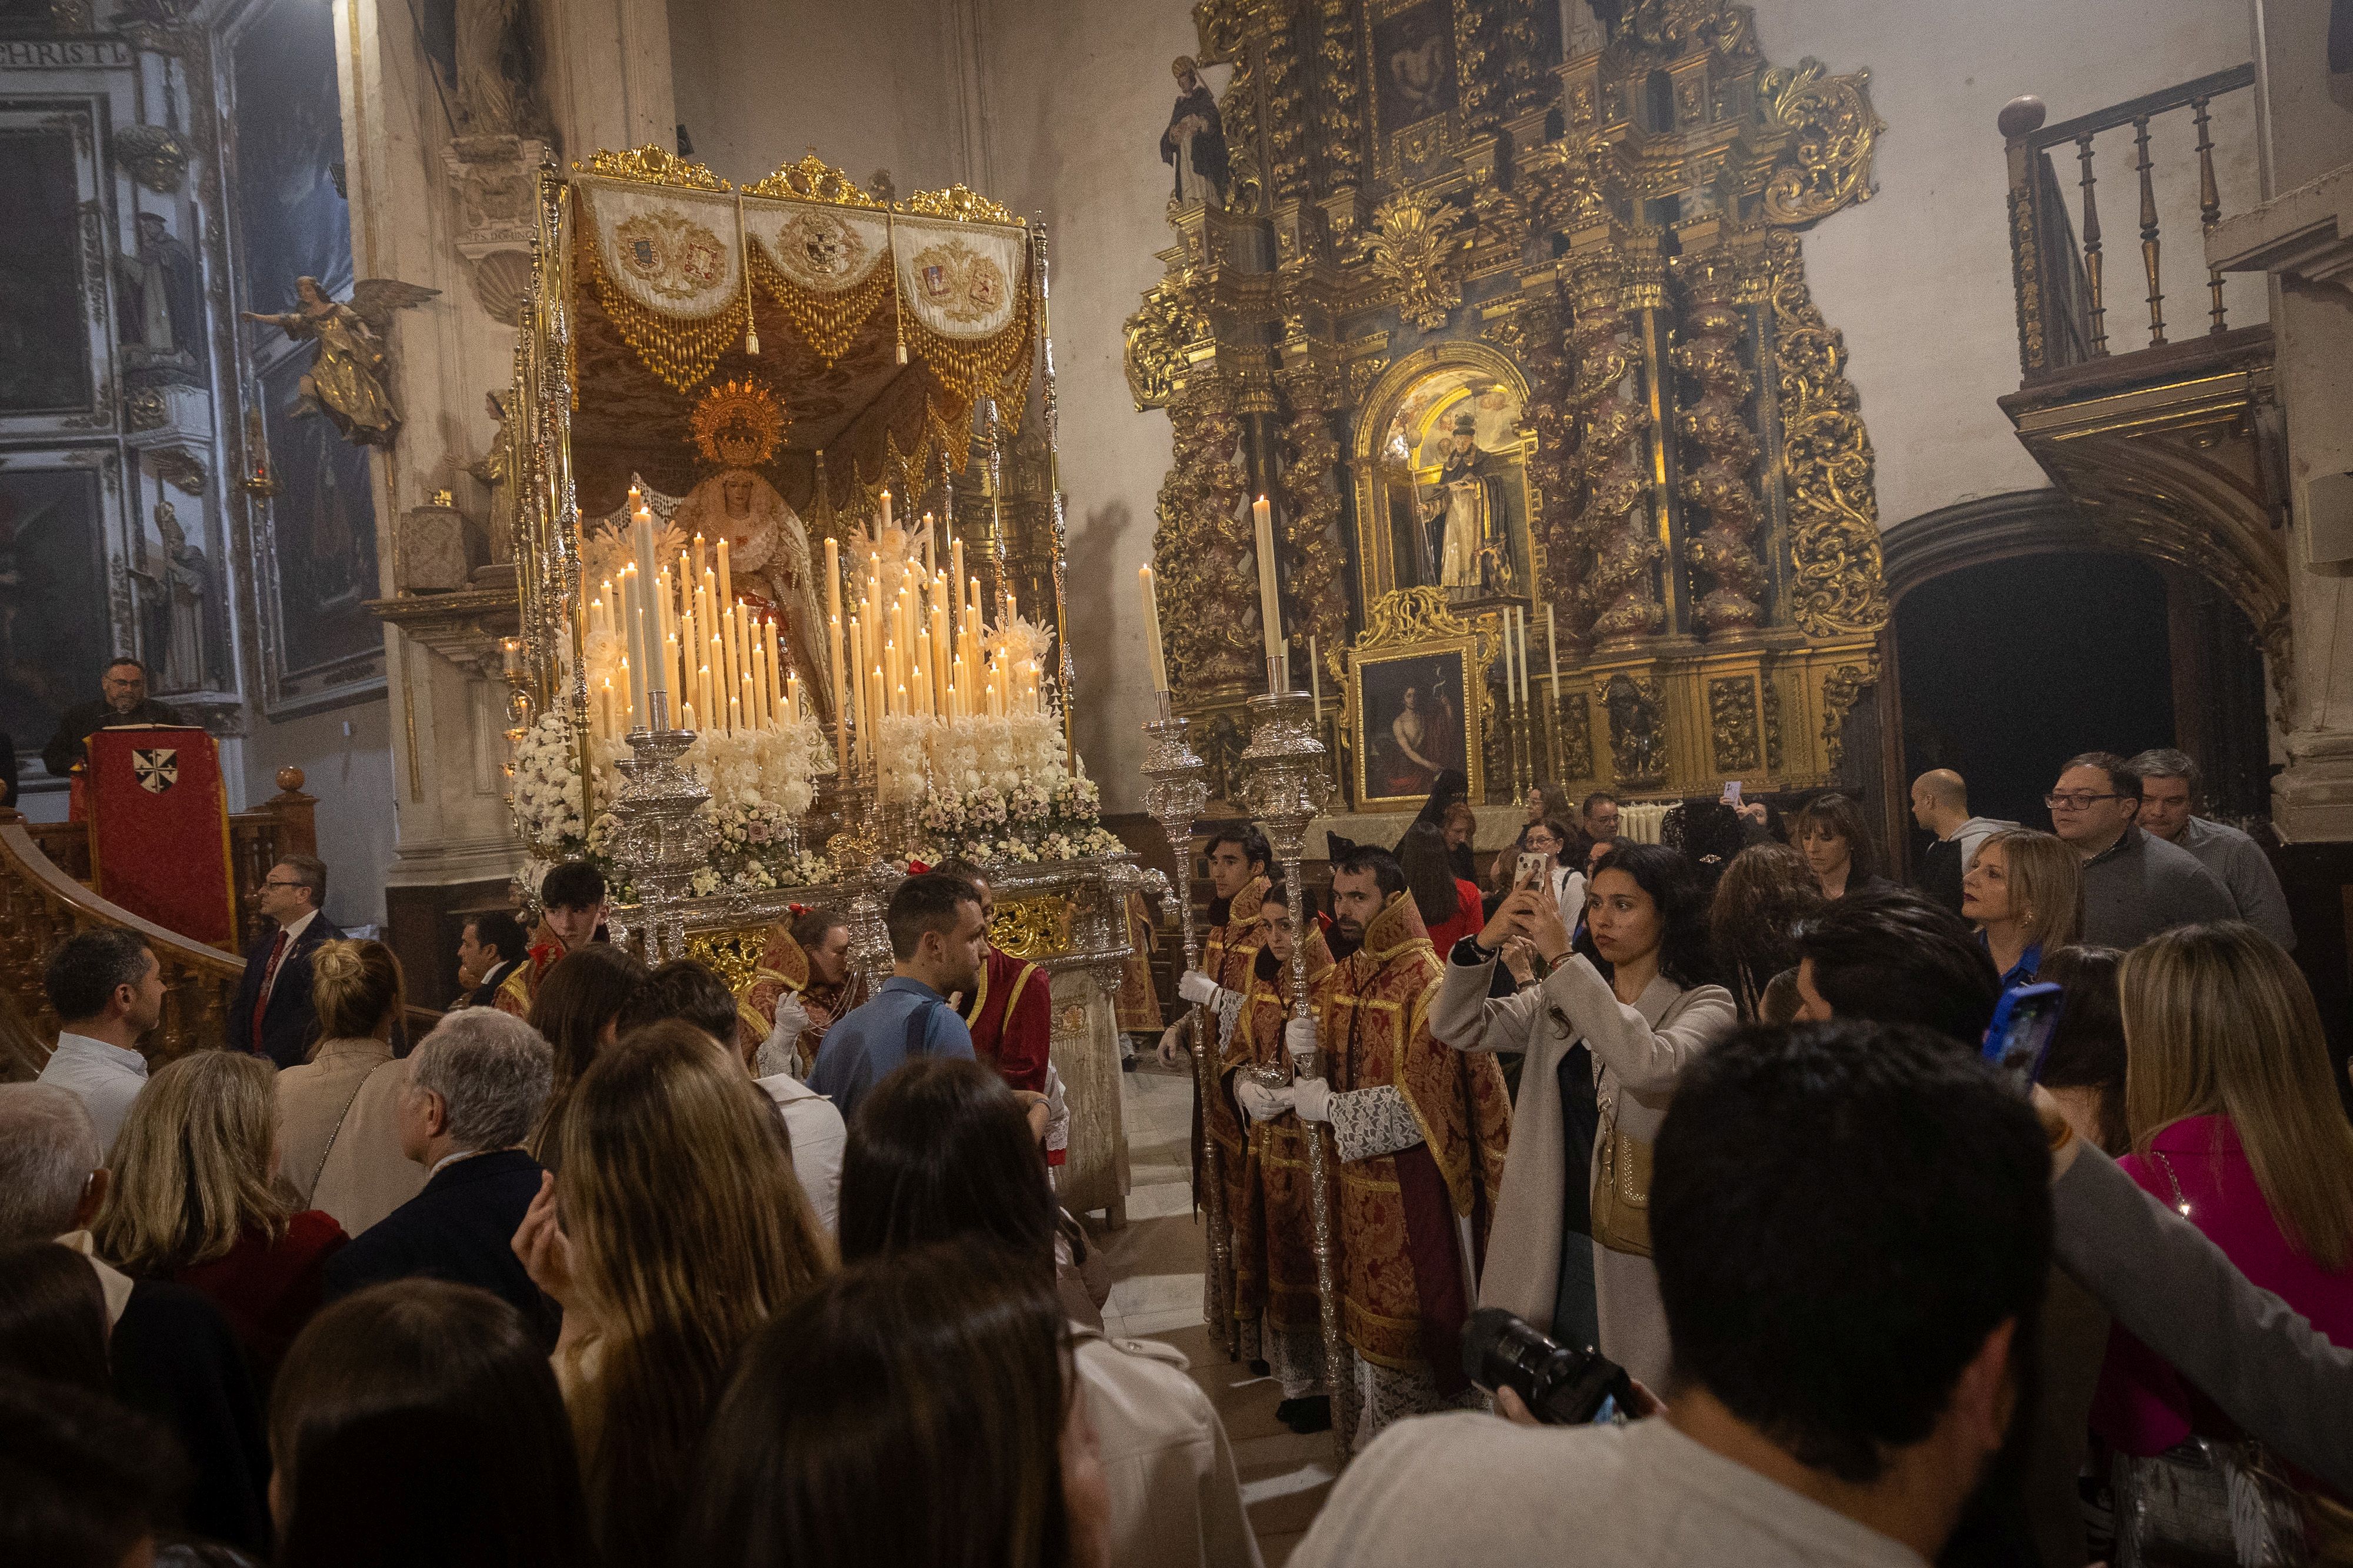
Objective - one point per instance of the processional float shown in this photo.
(766, 658)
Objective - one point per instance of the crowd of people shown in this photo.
(631, 1264)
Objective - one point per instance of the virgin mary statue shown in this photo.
(768, 554)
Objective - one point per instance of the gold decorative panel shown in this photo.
(1521, 321)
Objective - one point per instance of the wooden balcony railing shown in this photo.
(45, 898)
(2063, 295)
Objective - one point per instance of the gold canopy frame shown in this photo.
(657, 280)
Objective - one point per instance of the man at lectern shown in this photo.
(123, 699)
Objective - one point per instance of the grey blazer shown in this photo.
(1638, 1052)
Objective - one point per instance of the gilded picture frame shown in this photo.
(1415, 709)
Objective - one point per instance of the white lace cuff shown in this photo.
(1370, 1122)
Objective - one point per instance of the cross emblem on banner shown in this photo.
(156, 771)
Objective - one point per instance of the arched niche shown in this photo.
(1412, 500)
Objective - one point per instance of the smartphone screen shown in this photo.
(1732, 791)
(2018, 1041)
(1531, 871)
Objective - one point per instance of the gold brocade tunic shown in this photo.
(1269, 1200)
(1401, 1231)
(1225, 958)
(785, 970)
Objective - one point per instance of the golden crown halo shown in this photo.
(737, 424)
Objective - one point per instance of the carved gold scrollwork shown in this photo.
(1732, 724)
(734, 955)
(1837, 131)
(1413, 249)
(1032, 928)
(1826, 462)
(1286, 117)
(653, 165)
(1841, 689)
(1156, 336)
(1638, 741)
(959, 202)
(813, 180)
(1576, 736)
(1412, 616)
(1343, 109)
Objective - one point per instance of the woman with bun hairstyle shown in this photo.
(339, 1112)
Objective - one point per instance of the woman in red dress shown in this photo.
(192, 1201)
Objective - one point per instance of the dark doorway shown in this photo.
(2008, 668)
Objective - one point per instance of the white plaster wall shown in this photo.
(1079, 90)
(869, 85)
(1918, 277)
(346, 755)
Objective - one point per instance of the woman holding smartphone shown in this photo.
(1608, 1033)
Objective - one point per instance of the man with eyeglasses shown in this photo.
(2135, 884)
(272, 1015)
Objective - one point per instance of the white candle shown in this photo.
(1152, 648)
(886, 508)
(726, 581)
(1269, 599)
(1552, 656)
(931, 562)
(1315, 680)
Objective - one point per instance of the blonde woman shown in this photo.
(684, 1230)
(2024, 890)
(339, 1112)
(192, 1200)
(2235, 1124)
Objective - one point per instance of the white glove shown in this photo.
(1172, 1040)
(1195, 986)
(1299, 1040)
(777, 1053)
(1312, 1098)
(1259, 1102)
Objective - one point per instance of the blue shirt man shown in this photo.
(939, 940)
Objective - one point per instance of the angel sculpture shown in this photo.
(351, 380)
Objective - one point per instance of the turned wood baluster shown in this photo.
(2097, 322)
(2209, 204)
(2148, 234)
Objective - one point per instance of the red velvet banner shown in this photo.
(159, 829)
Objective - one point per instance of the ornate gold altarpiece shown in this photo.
(1607, 247)
(902, 338)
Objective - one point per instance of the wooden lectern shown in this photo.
(159, 829)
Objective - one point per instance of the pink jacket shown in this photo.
(2142, 1405)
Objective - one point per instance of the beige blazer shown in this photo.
(339, 1133)
(1638, 1053)
(1176, 1496)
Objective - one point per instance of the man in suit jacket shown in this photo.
(476, 1088)
(489, 948)
(273, 1015)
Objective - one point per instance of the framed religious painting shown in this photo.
(1414, 711)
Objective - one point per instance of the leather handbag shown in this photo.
(1622, 1188)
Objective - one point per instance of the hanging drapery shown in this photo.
(824, 266)
(666, 267)
(664, 273)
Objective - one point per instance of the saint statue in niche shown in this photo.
(1194, 146)
(172, 591)
(737, 424)
(166, 313)
(1462, 515)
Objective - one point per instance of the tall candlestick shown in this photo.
(1552, 656)
(1152, 650)
(1270, 599)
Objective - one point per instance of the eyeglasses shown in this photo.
(2080, 800)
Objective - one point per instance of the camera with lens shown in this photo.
(1560, 1387)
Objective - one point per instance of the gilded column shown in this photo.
(1527, 86)
(1286, 115)
(1202, 551)
(1720, 448)
(1341, 75)
(1310, 510)
(1612, 531)
(1826, 461)
(1478, 63)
